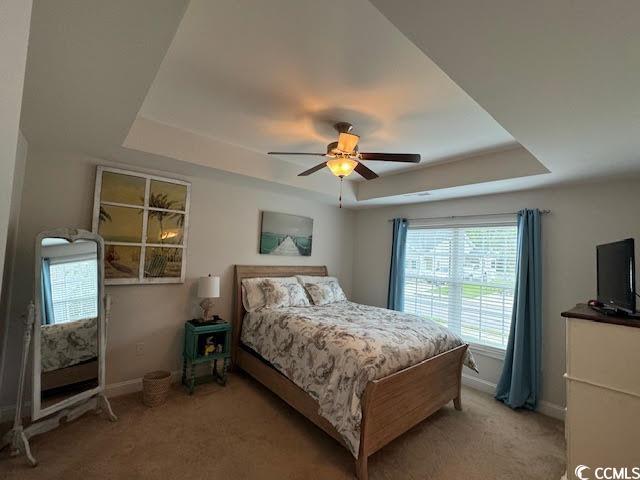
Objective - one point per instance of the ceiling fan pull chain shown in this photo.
(340, 199)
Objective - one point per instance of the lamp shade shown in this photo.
(209, 287)
(342, 166)
(347, 142)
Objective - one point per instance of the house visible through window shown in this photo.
(463, 277)
(74, 289)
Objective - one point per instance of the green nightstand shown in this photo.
(205, 343)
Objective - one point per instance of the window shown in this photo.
(74, 290)
(463, 277)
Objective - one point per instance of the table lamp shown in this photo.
(208, 289)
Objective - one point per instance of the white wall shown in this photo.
(224, 227)
(11, 245)
(582, 217)
(15, 16)
(223, 231)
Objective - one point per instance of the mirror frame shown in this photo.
(71, 235)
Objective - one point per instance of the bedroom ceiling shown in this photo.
(275, 76)
(218, 84)
(562, 77)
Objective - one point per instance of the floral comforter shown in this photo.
(333, 351)
(67, 344)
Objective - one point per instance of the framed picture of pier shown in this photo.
(143, 219)
(284, 234)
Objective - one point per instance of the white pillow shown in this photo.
(320, 293)
(314, 279)
(278, 295)
(337, 294)
(253, 296)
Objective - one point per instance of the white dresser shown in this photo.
(603, 391)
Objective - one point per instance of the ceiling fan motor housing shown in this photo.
(343, 127)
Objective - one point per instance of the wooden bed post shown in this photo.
(457, 401)
(393, 404)
(362, 470)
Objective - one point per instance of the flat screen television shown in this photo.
(616, 275)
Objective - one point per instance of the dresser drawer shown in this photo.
(603, 427)
(604, 354)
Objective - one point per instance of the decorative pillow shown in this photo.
(297, 295)
(320, 293)
(304, 279)
(333, 283)
(253, 297)
(278, 295)
(338, 293)
(252, 294)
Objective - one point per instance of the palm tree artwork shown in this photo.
(159, 261)
(161, 201)
(112, 258)
(143, 220)
(104, 215)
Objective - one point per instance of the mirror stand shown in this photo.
(18, 437)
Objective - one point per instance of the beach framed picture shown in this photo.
(285, 234)
(143, 220)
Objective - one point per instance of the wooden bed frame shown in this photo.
(390, 405)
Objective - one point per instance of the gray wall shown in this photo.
(582, 217)
(223, 231)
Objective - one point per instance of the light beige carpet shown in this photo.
(243, 431)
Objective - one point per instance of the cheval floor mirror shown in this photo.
(67, 324)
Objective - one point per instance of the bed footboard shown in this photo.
(397, 402)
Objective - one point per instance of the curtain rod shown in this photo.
(451, 217)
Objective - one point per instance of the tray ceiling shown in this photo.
(276, 75)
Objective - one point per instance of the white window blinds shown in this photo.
(74, 290)
(463, 277)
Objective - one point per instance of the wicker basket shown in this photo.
(155, 388)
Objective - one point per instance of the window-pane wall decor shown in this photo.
(143, 220)
(463, 277)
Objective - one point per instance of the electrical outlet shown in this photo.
(139, 349)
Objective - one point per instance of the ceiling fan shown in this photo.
(343, 156)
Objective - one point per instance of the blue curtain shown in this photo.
(47, 301)
(395, 297)
(519, 384)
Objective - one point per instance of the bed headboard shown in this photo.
(253, 271)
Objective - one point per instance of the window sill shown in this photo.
(487, 351)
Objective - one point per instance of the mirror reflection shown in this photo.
(68, 319)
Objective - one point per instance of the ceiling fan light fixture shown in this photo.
(342, 166)
(347, 142)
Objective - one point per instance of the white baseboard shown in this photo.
(478, 384)
(111, 390)
(546, 408)
(551, 410)
(134, 385)
(122, 388)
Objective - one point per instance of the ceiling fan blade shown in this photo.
(313, 170)
(391, 157)
(365, 171)
(297, 153)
